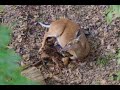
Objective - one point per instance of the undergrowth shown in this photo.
(10, 71)
(103, 61)
(112, 12)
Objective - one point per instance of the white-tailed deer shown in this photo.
(69, 36)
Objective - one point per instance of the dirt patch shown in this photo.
(103, 39)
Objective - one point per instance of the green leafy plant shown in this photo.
(115, 76)
(118, 56)
(2, 8)
(5, 36)
(112, 12)
(10, 71)
(102, 61)
(98, 83)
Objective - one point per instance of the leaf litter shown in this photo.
(27, 38)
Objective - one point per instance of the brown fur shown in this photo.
(65, 30)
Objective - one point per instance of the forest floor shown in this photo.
(101, 65)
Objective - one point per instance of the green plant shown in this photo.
(102, 61)
(5, 37)
(115, 76)
(2, 8)
(9, 69)
(98, 83)
(118, 56)
(112, 12)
